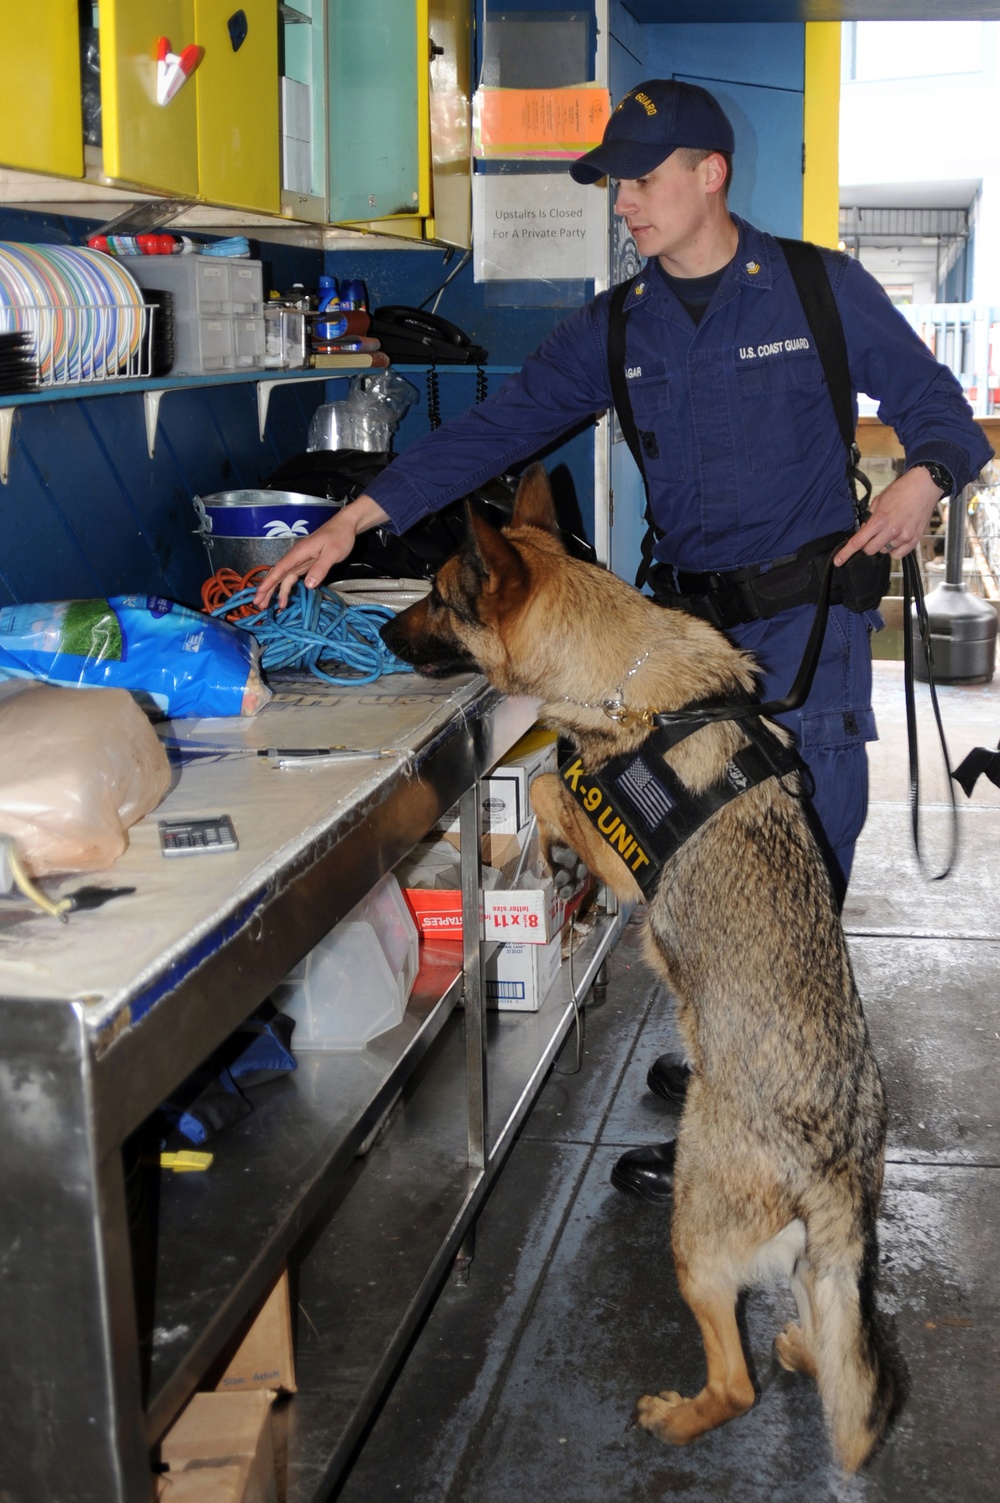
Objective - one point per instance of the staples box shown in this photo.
(520, 900)
(431, 879)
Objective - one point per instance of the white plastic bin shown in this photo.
(354, 985)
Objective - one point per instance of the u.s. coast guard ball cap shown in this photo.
(650, 122)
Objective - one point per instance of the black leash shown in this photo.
(743, 709)
(913, 601)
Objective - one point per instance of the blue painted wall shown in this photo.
(87, 512)
(757, 72)
(85, 509)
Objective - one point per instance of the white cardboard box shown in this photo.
(506, 806)
(519, 977)
(531, 915)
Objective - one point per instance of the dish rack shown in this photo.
(77, 343)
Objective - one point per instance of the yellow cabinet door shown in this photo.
(145, 143)
(450, 23)
(40, 122)
(237, 89)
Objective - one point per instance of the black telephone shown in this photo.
(410, 334)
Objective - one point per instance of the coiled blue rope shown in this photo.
(317, 628)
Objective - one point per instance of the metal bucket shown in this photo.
(243, 529)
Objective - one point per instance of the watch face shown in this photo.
(940, 476)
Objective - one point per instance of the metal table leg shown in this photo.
(475, 990)
(71, 1414)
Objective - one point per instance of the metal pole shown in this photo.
(475, 990)
(954, 547)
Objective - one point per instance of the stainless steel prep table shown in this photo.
(101, 1018)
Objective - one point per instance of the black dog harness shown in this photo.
(644, 813)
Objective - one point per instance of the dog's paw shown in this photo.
(793, 1350)
(678, 1420)
(655, 1413)
(568, 872)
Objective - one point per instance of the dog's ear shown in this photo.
(533, 504)
(502, 569)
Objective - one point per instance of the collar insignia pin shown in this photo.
(753, 267)
(639, 288)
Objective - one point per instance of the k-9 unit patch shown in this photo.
(642, 810)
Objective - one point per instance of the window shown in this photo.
(911, 49)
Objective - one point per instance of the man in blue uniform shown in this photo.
(743, 457)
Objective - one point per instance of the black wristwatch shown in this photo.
(941, 477)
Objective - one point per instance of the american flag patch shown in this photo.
(646, 792)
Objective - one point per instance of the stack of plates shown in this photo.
(163, 343)
(82, 307)
(18, 367)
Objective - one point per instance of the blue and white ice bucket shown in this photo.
(242, 529)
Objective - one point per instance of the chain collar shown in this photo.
(614, 706)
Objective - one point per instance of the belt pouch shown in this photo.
(864, 579)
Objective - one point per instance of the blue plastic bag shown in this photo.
(183, 662)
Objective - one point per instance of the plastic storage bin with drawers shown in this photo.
(218, 307)
(355, 984)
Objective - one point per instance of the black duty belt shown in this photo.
(644, 813)
(733, 597)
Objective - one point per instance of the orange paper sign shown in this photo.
(539, 123)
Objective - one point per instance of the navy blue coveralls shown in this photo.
(746, 462)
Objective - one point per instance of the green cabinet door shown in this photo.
(378, 53)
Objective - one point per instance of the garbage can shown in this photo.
(963, 628)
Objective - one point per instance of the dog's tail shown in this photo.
(860, 1380)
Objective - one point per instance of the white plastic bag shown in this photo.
(77, 767)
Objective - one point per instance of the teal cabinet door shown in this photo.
(377, 84)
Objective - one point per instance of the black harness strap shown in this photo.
(623, 407)
(751, 709)
(642, 810)
(805, 263)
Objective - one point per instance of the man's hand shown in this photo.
(899, 518)
(315, 555)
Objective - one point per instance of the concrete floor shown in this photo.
(523, 1380)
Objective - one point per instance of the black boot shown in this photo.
(646, 1172)
(668, 1077)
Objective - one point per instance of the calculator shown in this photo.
(196, 837)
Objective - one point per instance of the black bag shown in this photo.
(864, 579)
(344, 474)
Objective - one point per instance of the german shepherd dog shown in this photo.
(780, 1151)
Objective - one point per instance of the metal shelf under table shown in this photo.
(369, 1273)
